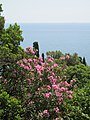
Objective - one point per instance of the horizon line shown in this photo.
(47, 22)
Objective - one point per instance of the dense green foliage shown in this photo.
(54, 54)
(80, 73)
(34, 88)
(79, 107)
(10, 107)
(10, 51)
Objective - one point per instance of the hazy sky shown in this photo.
(46, 10)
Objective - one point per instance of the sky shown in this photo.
(46, 11)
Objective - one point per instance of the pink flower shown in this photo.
(32, 78)
(67, 56)
(46, 64)
(55, 65)
(60, 98)
(48, 87)
(29, 60)
(35, 60)
(55, 86)
(47, 95)
(38, 67)
(24, 60)
(29, 81)
(41, 78)
(57, 109)
(17, 62)
(26, 67)
(58, 94)
(52, 79)
(62, 89)
(70, 92)
(73, 80)
(46, 113)
(62, 58)
(31, 50)
(40, 58)
(42, 63)
(22, 65)
(40, 73)
(30, 67)
(26, 51)
(53, 73)
(57, 119)
(70, 96)
(52, 67)
(67, 84)
(50, 59)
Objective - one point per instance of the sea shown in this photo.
(66, 37)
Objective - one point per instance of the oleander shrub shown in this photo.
(46, 88)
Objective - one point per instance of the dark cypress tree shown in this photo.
(84, 61)
(0, 8)
(43, 56)
(36, 48)
(80, 59)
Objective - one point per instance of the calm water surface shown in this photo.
(68, 38)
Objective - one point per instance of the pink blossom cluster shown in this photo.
(47, 95)
(46, 79)
(66, 57)
(45, 112)
(62, 58)
(30, 50)
(50, 59)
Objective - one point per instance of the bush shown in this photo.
(46, 90)
(79, 72)
(78, 108)
(10, 107)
